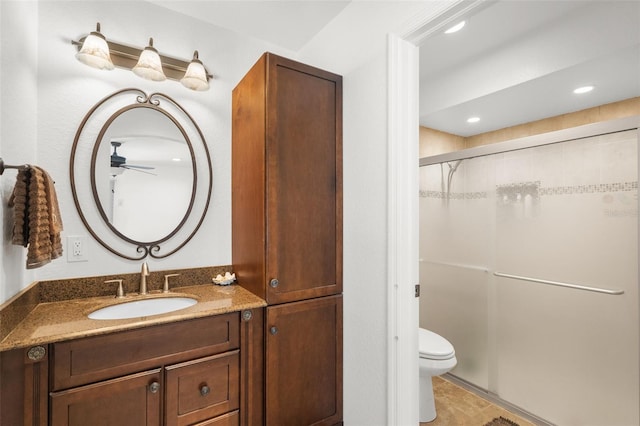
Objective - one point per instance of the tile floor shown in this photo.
(456, 406)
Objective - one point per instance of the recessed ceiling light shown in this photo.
(473, 119)
(583, 89)
(457, 27)
(176, 159)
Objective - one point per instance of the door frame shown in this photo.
(402, 202)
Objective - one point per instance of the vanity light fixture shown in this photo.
(583, 89)
(147, 63)
(94, 51)
(457, 27)
(196, 76)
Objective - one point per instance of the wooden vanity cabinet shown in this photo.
(287, 231)
(175, 374)
(205, 371)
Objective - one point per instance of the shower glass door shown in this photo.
(456, 226)
(501, 235)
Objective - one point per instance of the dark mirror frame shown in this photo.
(94, 157)
(140, 100)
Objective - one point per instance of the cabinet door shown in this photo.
(304, 182)
(131, 400)
(202, 389)
(304, 363)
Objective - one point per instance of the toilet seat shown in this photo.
(434, 346)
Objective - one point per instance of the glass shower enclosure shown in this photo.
(529, 267)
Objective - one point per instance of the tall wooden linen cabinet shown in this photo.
(287, 231)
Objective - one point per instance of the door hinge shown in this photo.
(417, 290)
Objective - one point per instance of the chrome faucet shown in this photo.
(144, 273)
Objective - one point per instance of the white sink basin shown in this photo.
(142, 308)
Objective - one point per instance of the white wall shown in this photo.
(365, 245)
(18, 124)
(355, 45)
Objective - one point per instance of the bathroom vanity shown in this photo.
(122, 378)
(199, 365)
(265, 352)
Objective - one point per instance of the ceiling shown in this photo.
(515, 61)
(286, 23)
(519, 61)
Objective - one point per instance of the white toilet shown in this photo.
(437, 357)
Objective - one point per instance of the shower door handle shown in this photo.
(560, 284)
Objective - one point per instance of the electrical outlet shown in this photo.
(77, 248)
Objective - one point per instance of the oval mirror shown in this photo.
(142, 164)
(141, 175)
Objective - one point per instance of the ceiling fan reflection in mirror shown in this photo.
(119, 163)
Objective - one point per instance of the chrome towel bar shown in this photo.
(560, 284)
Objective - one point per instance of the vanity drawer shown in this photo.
(202, 389)
(229, 419)
(92, 359)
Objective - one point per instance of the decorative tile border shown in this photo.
(529, 186)
(454, 195)
(590, 189)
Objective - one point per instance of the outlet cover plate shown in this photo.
(77, 248)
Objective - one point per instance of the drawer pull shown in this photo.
(273, 330)
(204, 390)
(274, 283)
(154, 387)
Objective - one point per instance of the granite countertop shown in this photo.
(57, 321)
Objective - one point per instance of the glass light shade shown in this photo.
(195, 78)
(149, 65)
(95, 51)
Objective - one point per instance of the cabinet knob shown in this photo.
(273, 330)
(204, 390)
(154, 387)
(274, 283)
(247, 315)
(36, 353)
